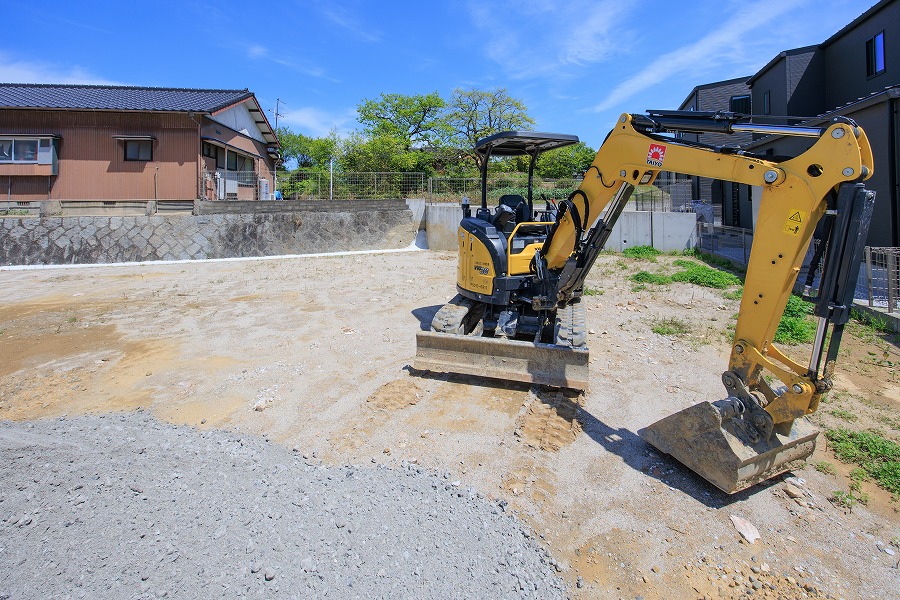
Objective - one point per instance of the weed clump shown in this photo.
(703, 275)
(794, 327)
(642, 252)
(670, 327)
(876, 455)
(653, 278)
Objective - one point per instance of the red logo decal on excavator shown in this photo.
(656, 155)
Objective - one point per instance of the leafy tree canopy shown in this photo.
(563, 163)
(474, 114)
(381, 154)
(301, 151)
(414, 120)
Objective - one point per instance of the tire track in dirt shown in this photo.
(547, 423)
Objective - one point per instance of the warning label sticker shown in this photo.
(656, 155)
(795, 221)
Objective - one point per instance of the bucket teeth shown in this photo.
(724, 452)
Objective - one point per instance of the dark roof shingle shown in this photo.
(105, 97)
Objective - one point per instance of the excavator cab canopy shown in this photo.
(518, 143)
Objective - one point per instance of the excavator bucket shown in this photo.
(498, 358)
(724, 452)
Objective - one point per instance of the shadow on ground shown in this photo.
(641, 456)
(425, 315)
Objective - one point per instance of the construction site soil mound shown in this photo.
(129, 507)
(315, 354)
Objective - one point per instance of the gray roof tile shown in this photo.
(104, 97)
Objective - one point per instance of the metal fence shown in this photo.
(883, 277)
(303, 184)
(732, 243)
(318, 185)
(878, 281)
(234, 185)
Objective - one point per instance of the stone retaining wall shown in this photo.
(79, 240)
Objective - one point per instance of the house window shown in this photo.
(209, 151)
(767, 103)
(138, 149)
(18, 150)
(231, 163)
(740, 104)
(875, 55)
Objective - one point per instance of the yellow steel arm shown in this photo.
(794, 198)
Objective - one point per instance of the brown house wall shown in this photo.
(92, 163)
(239, 141)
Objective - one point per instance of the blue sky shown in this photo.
(576, 64)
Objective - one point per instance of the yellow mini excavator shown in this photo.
(518, 316)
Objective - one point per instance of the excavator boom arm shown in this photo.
(795, 195)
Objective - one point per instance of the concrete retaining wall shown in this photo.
(85, 240)
(666, 232)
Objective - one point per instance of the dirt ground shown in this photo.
(315, 353)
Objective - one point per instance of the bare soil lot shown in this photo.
(314, 353)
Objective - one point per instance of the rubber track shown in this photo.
(571, 326)
(449, 319)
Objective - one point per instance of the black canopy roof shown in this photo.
(517, 143)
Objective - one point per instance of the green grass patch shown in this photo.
(717, 261)
(703, 275)
(795, 326)
(642, 252)
(735, 294)
(670, 327)
(878, 456)
(843, 414)
(826, 467)
(592, 292)
(652, 278)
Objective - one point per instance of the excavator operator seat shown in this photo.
(518, 204)
(504, 218)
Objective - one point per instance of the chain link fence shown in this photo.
(883, 277)
(303, 184)
(878, 281)
(234, 185)
(317, 185)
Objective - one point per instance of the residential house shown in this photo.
(855, 73)
(125, 143)
(726, 198)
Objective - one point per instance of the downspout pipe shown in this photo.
(894, 169)
(199, 154)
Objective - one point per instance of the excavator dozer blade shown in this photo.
(723, 453)
(511, 360)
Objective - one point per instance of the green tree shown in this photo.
(564, 163)
(474, 114)
(301, 151)
(383, 153)
(415, 120)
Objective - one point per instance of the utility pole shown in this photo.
(277, 114)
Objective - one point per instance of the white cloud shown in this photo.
(727, 44)
(316, 122)
(344, 19)
(13, 70)
(258, 52)
(540, 38)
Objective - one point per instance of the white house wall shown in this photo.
(239, 119)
